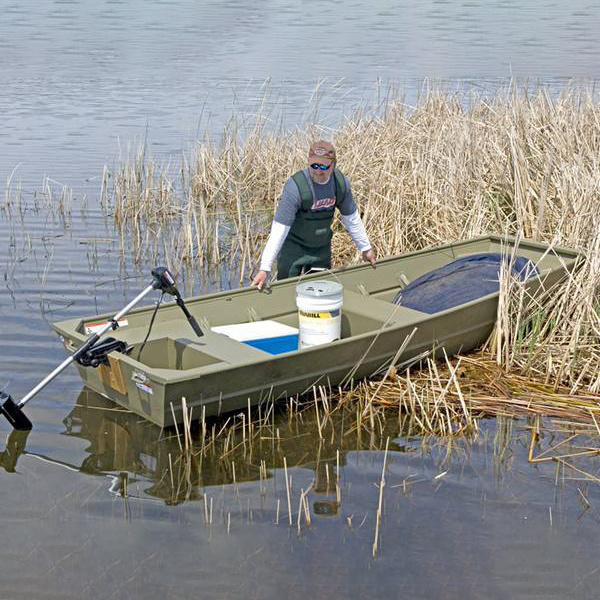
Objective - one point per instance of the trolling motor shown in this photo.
(91, 353)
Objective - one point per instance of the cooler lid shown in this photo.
(255, 330)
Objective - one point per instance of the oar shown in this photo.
(162, 280)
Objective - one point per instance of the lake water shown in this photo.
(96, 504)
(80, 76)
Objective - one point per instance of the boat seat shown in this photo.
(380, 310)
(226, 349)
(214, 344)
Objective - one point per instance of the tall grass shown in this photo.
(519, 162)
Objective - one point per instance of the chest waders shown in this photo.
(308, 243)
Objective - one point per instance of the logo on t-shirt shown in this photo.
(323, 203)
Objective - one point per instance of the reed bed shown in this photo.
(520, 162)
(447, 399)
(53, 197)
(244, 467)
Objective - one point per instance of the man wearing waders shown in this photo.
(301, 233)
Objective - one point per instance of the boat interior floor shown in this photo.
(172, 343)
(367, 308)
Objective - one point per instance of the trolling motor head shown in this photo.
(13, 413)
(164, 281)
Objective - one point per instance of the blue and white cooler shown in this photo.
(269, 336)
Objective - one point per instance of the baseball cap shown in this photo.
(320, 151)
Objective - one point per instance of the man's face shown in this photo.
(321, 175)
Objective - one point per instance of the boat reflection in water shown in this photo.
(138, 452)
(127, 447)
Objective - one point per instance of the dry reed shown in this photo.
(454, 166)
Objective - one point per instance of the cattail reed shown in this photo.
(452, 167)
(287, 489)
(380, 503)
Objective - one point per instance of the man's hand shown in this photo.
(369, 256)
(260, 279)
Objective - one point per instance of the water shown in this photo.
(105, 513)
(93, 502)
(79, 76)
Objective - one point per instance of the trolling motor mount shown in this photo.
(98, 353)
(93, 353)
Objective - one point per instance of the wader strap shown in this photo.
(306, 195)
(340, 186)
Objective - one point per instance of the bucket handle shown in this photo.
(266, 289)
(318, 270)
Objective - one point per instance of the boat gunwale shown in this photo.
(339, 270)
(224, 366)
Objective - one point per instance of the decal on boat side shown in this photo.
(95, 326)
(144, 387)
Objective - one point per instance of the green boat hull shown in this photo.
(216, 374)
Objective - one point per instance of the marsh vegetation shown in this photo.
(519, 162)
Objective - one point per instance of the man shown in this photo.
(301, 233)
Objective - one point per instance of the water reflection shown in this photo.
(135, 454)
(120, 443)
(15, 446)
(477, 501)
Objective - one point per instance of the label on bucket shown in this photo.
(319, 312)
(331, 314)
(318, 327)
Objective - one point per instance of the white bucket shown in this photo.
(319, 305)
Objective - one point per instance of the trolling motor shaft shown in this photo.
(166, 284)
(92, 353)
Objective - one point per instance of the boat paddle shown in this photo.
(90, 353)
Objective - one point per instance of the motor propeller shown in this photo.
(13, 413)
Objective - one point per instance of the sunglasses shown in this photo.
(317, 166)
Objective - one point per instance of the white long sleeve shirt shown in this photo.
(352, 223)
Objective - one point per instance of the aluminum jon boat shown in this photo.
(216, 373)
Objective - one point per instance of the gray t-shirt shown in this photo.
(323, 195)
